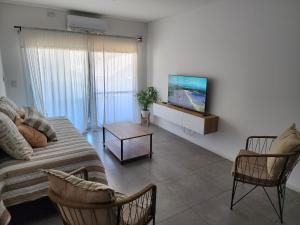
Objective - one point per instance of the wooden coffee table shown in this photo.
(123, 132)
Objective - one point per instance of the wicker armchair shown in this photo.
(252, 167)
(137, 209)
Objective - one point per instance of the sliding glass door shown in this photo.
(116, 87)
(89, 79)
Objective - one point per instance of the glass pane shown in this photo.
(118, 72)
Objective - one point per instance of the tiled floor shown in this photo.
(194, 188)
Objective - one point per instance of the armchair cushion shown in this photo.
(79, 190)
(252, 169)
(287, 142)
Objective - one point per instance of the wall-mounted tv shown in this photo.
(188, 92)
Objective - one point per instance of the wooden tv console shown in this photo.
(195, 121)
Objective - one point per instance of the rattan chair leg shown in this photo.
(279, 204)
(281, 199)
(233, 193)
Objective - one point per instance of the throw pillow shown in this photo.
(9, 102)
(18, 120)
(11, 141)
(13, 105)
(287, 142)
(79, 190)
(8, 110)
(21, 112)
(289, 131)
(39, 122)
(35, 138)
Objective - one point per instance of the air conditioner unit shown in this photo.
(86, 23)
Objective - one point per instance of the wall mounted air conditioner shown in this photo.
(86, 23)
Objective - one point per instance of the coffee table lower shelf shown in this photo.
(131, 150)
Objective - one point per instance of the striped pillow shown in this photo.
(11, 141)
(7, 101)
(39, 122)
(8, 110)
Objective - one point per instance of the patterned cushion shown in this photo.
(38, 121)
(9, 102)
(11, 141)
(13, 105)
(21, 112)
(33, 137)
(8, 110)
(79, 190)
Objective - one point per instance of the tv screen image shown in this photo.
(188, 92)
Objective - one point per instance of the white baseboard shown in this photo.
(293, 187)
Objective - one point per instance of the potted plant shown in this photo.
(146, 98)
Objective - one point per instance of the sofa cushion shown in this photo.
(11, 141)
(79, 190)
(287, 142)
(38, 121)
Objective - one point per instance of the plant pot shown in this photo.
(145, 113)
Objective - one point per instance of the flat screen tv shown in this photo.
(188, 92)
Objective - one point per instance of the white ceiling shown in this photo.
(142, 10)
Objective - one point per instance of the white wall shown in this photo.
(250, 50)
(11, 15)
(2, 85)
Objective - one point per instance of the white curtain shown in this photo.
(90, 79)
(57, 73)
(115, 77)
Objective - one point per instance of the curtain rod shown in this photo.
(138, 38)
